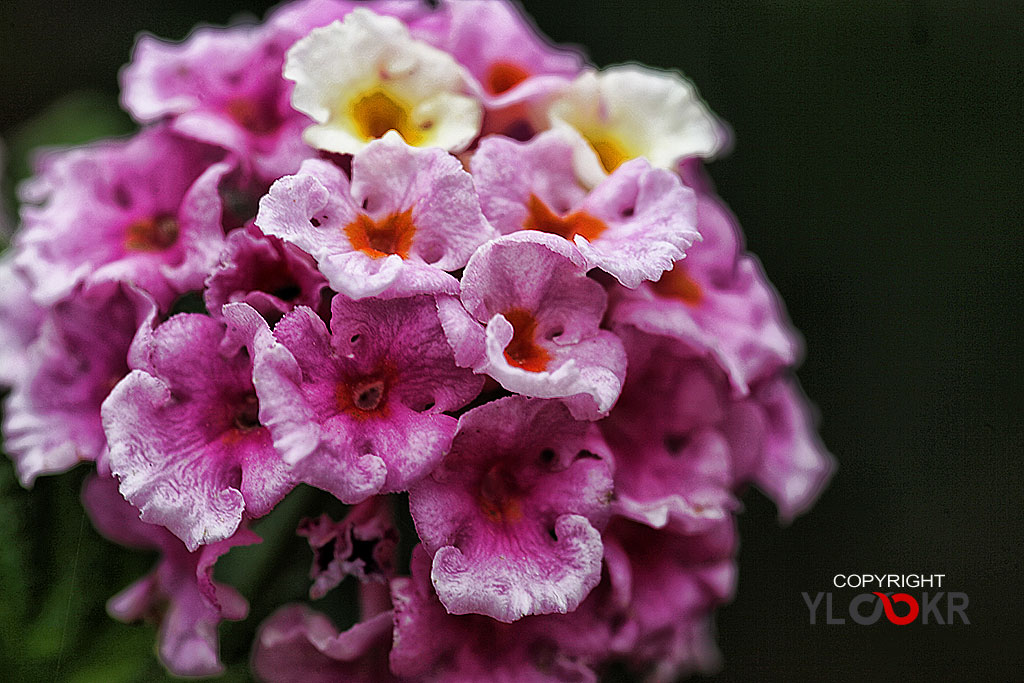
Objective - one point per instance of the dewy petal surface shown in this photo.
(511, 517)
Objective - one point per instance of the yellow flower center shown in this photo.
(376, 112)
(609, 150)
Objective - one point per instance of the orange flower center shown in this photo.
(542, 218)
(365, 397)
(503, 76)
(499, 496)
(152, 234)
(390, 235)
(251, 116)
(678, 284)
(524, 351)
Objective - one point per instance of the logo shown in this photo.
(927, 608)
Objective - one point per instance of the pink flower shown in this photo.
(510, 61)
(633, 225)
(185, 437)
(296, 643)
(791, 466)
(684, 443)
(143, 211)
(716, 301)
(271, 276)
(407, 216)
(511, 517)
(542, 317)
(180, 592)
(432, 645)
(20, 319)
(674, 584)
(222, 87)
(358, 409)
(52, 417)
(361, 545)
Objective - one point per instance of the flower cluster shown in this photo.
(433, 254)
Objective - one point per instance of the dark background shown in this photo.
(877, 174)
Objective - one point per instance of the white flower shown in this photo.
(360, 78)
(631, 111)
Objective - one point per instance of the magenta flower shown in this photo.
(222, 87)
(542, 317)
(185, 436)
(510, 62)
(675, 582)
(407, 216)
(681, 466)
(512, 515)
(361, 545)
(143, 211)
(717, 301)
(181, 589)
(270, 275)
(52, 416)
(634, 225)
(358, 409)
(791, 466)
(431, 253)
(430, 644)
(20, 319)
(296, 643)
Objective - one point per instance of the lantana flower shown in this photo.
(144, 210)
(223, 88)
(361, 545)
(419, 257)
(542, 317)
(180, 592)
(405, 219)
(628, 111)
(52, 417)
(364, 76)
(270, 275)
(510, 63)
(185, 437)
(718, 300)
(634, 225)
(357, 409)
(512, 516)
